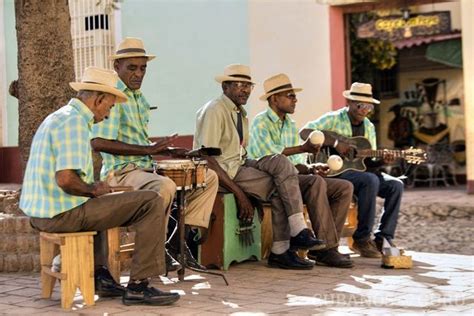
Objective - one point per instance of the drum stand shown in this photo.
(181, 201)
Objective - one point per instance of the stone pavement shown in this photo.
(438, 284)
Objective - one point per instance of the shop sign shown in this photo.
(393, 28)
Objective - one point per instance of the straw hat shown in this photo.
(235, 72)
(131, 47)
(277, 84)
(360, 92)
(98, 79)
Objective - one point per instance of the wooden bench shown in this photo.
(117, 253)
(77, 265)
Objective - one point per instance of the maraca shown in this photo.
(316, 137)
(335, 162)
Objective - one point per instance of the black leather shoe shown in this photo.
(105, 285)
(289, 260)
(143, 294)
(305, 240)
(188, 257)
(331, 258)
(171, 263)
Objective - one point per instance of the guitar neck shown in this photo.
(378, 153)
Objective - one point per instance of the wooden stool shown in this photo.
(117, 253)
(351, 224)
(77, 265)
(222, 246)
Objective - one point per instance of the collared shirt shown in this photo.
(128, 123)
(339, 122)
(61, 142)
(216, 126)
(270, 135)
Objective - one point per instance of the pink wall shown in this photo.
(338, 56)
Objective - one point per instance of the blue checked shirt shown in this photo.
(339, 122)
(270, 135)
(61, 142)
(128, 123)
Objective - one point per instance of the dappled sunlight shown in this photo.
(298, 300)
(230, 304)
(201, 286)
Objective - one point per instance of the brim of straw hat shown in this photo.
(121, 97)
(267, 95)
(222, 78)
(347, 94)
(130, 55)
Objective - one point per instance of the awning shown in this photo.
(446, 52)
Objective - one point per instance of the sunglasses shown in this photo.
(243, 85)
(289, 95)
(365, 106)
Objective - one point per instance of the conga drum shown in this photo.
(180, 171)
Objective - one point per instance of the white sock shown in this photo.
(280, 247)
(297, 223)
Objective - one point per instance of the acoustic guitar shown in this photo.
(361, 149)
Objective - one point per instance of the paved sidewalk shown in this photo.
(437, 285)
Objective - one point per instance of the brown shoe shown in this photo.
(366, 248)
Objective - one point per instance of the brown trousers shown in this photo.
(327, 201)
(144, 210)
(274, 179)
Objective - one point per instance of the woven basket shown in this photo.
(397, 262)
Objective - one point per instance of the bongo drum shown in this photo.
(180, 171)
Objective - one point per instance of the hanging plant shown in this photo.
(369, 54)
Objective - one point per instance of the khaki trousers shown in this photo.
(327, 201)
(199, 202)
(144, 210)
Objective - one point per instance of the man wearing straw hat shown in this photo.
(327, 200)
(352, 121)
(60, 196)
(126, 149)
(223, 123)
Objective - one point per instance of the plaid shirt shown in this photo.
(61, 142)
(339, 122)
(270, 135)
(128, 123)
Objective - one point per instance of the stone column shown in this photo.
(467, 12)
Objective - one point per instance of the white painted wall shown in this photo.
(453, 6)
(291, 37)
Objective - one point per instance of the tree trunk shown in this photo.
(45, 64)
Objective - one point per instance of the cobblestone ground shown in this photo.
(436, 220)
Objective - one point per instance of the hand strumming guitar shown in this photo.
(344, 148)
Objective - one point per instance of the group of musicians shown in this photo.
(110, 114)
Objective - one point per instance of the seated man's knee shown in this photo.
(167, 187)
(211, 178)
(282, 162)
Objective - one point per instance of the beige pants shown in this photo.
(143, 210)
(199, 202)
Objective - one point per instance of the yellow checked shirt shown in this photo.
(61, 142)
(128, 123)
(216, 126)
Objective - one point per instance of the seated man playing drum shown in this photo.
(127, 151)
(60, 195)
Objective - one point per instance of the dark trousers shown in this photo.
(142, 209)
(367, 186)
